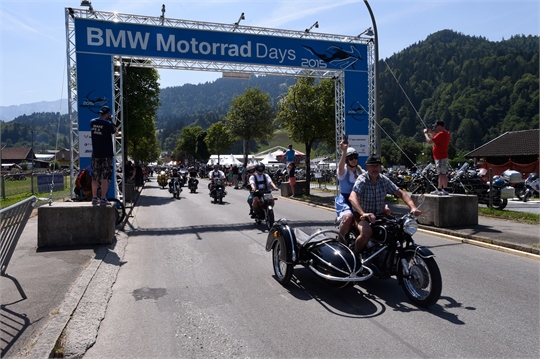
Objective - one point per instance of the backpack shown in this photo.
(83, 180)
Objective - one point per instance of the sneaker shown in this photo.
(436, 192)
(443, 192)
(95, 201)
(104, 202)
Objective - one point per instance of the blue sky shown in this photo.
(33, 33)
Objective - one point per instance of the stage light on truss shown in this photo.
(315, 25)
(242, 17)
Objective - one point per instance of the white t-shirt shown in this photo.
(260, 180)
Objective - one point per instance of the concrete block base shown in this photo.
(299, 188)
(448, 211)
(75, 224)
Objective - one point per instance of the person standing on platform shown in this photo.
(102, 130)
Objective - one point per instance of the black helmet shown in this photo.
(216, 167)
(260, 167)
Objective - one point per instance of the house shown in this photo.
(518, 150)
(21, 155)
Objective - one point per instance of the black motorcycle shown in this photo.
(466, 181)
(424, 181)
(263, 208)
(217, 191)
(192, 184)
(175, 186)
(390, 252)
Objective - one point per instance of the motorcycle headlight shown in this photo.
(410, 226)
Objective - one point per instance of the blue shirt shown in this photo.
(371, 196)
(289, 155)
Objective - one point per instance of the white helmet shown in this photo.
(351, 152)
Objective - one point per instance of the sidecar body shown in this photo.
(318, 250)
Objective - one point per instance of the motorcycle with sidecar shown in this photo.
(390, 252)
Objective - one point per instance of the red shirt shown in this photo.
(441, 141)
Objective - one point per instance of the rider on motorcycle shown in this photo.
(216, 173)
(174, 176)
(367, 198)
(259, 181)
(193, 174)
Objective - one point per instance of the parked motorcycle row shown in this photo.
(472, 182)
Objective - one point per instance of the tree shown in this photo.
(307, 112)
(141, 101)
(218, 139)
(187, 144)
(250, 118)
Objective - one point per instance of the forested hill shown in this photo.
(480, 88)
(207, 103)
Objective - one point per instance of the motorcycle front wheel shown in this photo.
(282, 269)
(269, 218)
(423, 285)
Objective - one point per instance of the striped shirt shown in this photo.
(371, 196)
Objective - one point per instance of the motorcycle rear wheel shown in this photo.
(424, 284)
(499, 203)
(282, 269)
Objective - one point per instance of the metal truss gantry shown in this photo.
(182, 64)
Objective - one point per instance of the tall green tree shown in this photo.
(218, 139)
(141, 101)
(187, 145)
(250, 117)
(307, 112)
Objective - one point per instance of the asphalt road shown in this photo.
(193, 280)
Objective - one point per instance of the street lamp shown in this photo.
(376, 87)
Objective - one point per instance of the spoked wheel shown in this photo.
(120, 212)
(282, 269)
(269, 218)
(424, 284)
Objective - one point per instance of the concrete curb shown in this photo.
(47, 340)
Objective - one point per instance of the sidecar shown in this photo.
(318, 250)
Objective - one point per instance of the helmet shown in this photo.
(351, 152)
(260, 167)
(216, 167)
(250, 168)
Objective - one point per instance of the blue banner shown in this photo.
(44, 182)
(123, 39)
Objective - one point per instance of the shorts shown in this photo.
(292, 181)
(442, 166)
(342, 206)
(102, 168)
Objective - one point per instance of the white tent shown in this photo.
(230, 161)
(269, 158)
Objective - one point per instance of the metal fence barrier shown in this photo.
(12, 222)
